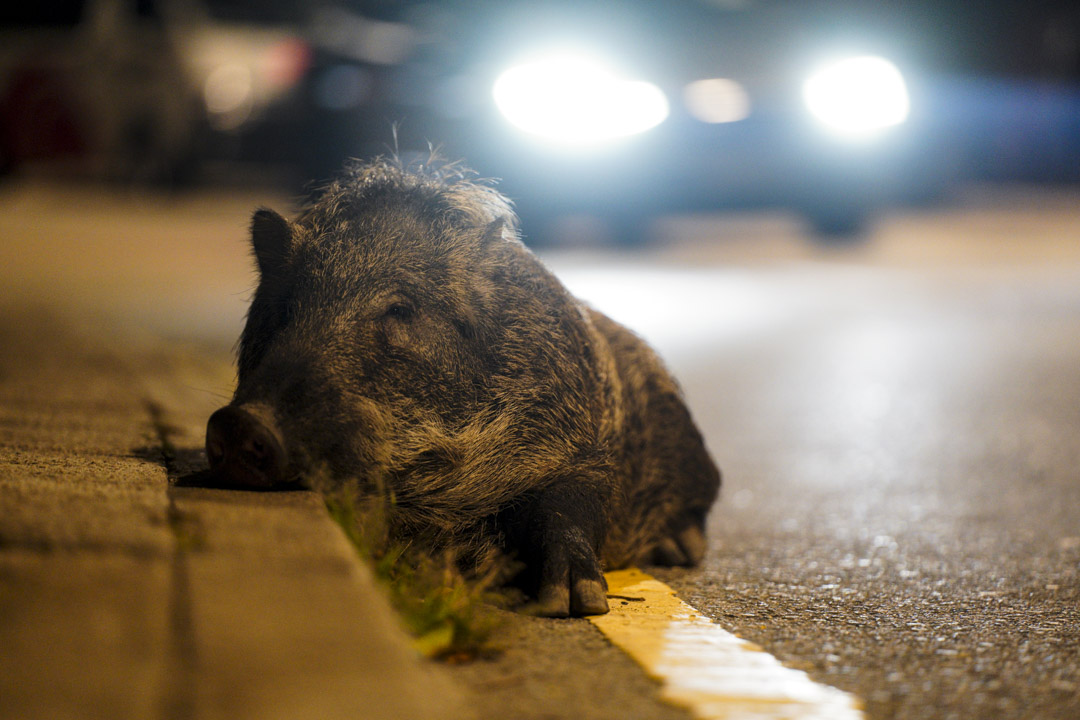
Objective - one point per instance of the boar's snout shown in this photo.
(245, 448)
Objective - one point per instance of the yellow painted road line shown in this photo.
(703, 667)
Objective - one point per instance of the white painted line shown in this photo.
(704, 668)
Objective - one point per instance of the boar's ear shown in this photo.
(495, 232)
(271, 237)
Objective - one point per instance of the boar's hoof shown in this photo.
(692, 542)
(243, 449)
(685, 547)
(571, 581)
(587, 597)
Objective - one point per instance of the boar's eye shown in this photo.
(400, 311)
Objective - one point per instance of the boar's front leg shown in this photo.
(559, 536)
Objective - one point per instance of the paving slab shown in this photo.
(51, 500)
(83, 634)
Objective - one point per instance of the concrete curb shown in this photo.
(125, 596)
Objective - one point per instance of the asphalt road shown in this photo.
(898, 423)
(899, 427)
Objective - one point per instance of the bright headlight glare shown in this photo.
(858, 96)
(575, 100)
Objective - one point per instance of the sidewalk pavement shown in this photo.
(125, 596)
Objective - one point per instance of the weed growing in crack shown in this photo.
(452, 613)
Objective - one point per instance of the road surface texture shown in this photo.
(898, 424)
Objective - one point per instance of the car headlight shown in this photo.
(573, 99)
(858, 96)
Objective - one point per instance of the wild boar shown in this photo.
(403, 338)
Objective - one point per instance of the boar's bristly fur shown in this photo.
(404, 340)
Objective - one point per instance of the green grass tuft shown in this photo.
(453, 615)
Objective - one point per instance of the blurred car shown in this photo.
(143, 90)
(834, 108)
(624, 111)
